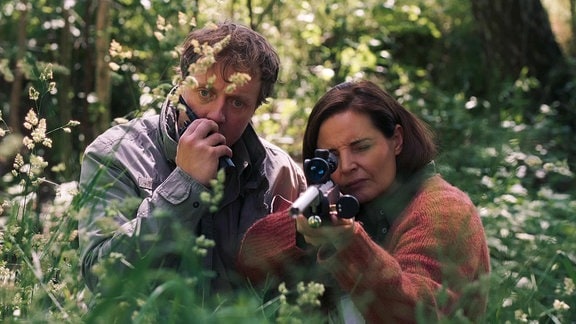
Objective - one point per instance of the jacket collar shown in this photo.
(168, 128)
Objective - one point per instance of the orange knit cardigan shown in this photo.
(430, 262)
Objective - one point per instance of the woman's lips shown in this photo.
(353, 186)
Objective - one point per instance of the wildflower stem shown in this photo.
(40, 281)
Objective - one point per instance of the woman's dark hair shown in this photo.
(419, 146)
(247, 51)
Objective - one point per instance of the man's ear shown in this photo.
(398, 138)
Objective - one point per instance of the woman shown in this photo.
(417, 245)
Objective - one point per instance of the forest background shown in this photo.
(494, 78)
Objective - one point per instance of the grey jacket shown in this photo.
(133, 165)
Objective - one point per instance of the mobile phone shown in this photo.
(224, 161)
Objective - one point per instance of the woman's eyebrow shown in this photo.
(352, 143)
(360, 141)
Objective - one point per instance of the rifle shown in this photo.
(322, 198)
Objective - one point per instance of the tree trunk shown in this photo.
(14, 120)
(517, 34)
(62, 149)
(573, 27)
(85, 75)
(102, 81)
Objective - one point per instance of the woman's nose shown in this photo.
(346, 162)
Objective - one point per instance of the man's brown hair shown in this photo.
(247, 51)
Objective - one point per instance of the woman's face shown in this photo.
(366, 158)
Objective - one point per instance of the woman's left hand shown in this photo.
(337, 231)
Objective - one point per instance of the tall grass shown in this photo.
(39, 268)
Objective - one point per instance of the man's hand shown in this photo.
(199, 149)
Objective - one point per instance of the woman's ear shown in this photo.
(398, 138)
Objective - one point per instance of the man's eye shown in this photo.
(203, 93)
(236, 103)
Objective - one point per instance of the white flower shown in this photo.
(519, 315)
(31, 119)
(560, 305)
(569, 286)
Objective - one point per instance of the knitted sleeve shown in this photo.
(269, 247)
(433, 253)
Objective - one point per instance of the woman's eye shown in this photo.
(362, 147)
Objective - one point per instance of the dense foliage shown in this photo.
(498, 142)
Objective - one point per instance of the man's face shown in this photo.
(231, 110)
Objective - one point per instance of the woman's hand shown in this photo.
(337, 232)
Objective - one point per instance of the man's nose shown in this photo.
(218, 111)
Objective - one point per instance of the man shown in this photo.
(169, 161)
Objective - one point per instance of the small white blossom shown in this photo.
(18, 161)
(37, 163)
(47, 142)
(114, 66)
(524, 283)
(39, 133)
(560, 305)
(31, 119)
(47, 74)
(28, 142)
(158, 35)
(52, 87)
(519, 315)
(569, 286)
(33, 94)
(115, 48)
(507, 302)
